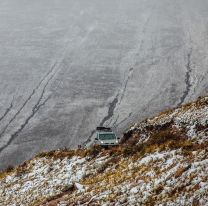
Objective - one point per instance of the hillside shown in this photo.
(161, 161)
(67, 66)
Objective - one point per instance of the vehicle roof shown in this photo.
(104, 129)
(107, 132)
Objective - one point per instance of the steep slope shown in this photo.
(68, 65)
(161, 161)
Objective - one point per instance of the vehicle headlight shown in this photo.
(102, 142)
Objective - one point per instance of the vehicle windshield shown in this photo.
(107, 136)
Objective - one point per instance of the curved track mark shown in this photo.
(126, 83)
(7, 111)
(36, 107)
(29, 98)
(15, 134)
(129, 115)
(187, 78)
(111, 108)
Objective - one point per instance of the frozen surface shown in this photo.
(68, 66)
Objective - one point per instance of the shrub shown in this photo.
(57, 154)
(164, 139)
(94, 151)
(166, 135)
(179, 172)
(128, 151)
(159, 189)
(166, 112)
(10, 168)
(21, 169)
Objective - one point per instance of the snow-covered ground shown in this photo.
(146, 169)
(166, 178)
(67, 66)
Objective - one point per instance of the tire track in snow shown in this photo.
(44, 89)
(111, 108)
(139, 48)
(187, 78)
(114, 123)
(121, 94)
(126, 83)
(7, 111)
(123, 120)
(16, 133)
(35, 109)
(115, 101)
(28, 99)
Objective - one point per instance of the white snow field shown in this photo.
(67, 66)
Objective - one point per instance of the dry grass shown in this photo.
(165, 139)
(180, 171)
(66, 153)
(6, 172)
(166, 112)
